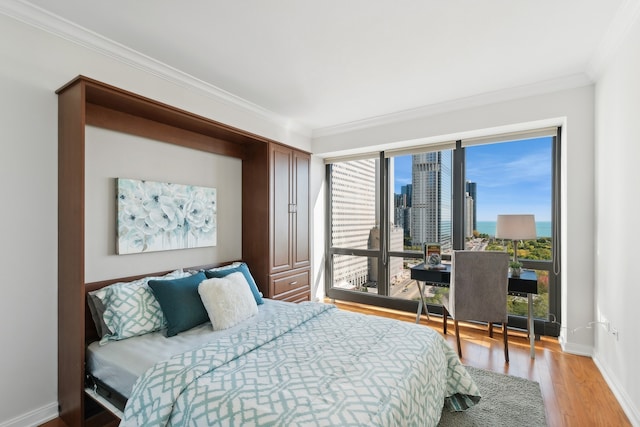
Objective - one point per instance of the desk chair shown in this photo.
(478, 291)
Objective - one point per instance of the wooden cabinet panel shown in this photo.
(301, 219)
(296, 297)
(281, 207)
(292, 286)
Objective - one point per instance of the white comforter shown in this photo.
(311, 365)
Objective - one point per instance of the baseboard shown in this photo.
(34, 418)
(630, 410)
(577, 349)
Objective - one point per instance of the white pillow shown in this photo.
(228, 300)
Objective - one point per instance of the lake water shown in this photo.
(543, 228)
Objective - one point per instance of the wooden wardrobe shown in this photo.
(275, 207)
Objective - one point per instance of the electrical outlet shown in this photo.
(615, 333)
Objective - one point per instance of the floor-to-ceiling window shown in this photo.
(515, 177)
(355, 234)
(384, 208)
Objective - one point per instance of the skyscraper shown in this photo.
(431, 198)
(353, 216)
(402, 209)
(468, 215)
(471, 188)
(407, 191)
(354, 224)
(399, 207)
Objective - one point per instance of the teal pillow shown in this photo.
(180, 302)
(244, 269)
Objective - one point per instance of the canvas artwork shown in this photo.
(156, 216)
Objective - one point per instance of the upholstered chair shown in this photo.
(478, 291)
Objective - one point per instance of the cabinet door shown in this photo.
(281, 208)
(301, 217)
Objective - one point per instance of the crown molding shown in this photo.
(548, 86)
(37, 17)
(627, 15)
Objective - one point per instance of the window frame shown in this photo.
(549, 326)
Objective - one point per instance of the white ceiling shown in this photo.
(324, 63)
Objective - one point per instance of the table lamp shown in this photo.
(516, 227)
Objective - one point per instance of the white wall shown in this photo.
(318, 208)
(34, 65)
(617, 154)
(111, 155)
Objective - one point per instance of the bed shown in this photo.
(273, 363)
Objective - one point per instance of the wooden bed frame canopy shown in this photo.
(85, 101)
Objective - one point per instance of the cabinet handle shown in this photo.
(295, 282)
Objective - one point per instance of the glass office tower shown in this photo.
(431, 198)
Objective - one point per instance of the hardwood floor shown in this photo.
(574, 392)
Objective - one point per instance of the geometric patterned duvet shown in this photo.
(311, 365)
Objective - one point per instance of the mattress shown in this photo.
(118, 364)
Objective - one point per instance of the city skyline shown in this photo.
(512, 177)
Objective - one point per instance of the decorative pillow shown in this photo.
(244, 269)
(131, 309)
(235, 264)
(180, 302)
(228, 300)
(97, 308)
(224, 267)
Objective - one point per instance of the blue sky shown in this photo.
(511, 178)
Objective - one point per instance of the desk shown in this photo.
(526, 284)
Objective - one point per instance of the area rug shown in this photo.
(506, 401)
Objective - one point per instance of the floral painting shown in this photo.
(155, 216)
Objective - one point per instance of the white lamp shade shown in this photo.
(516, 227)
